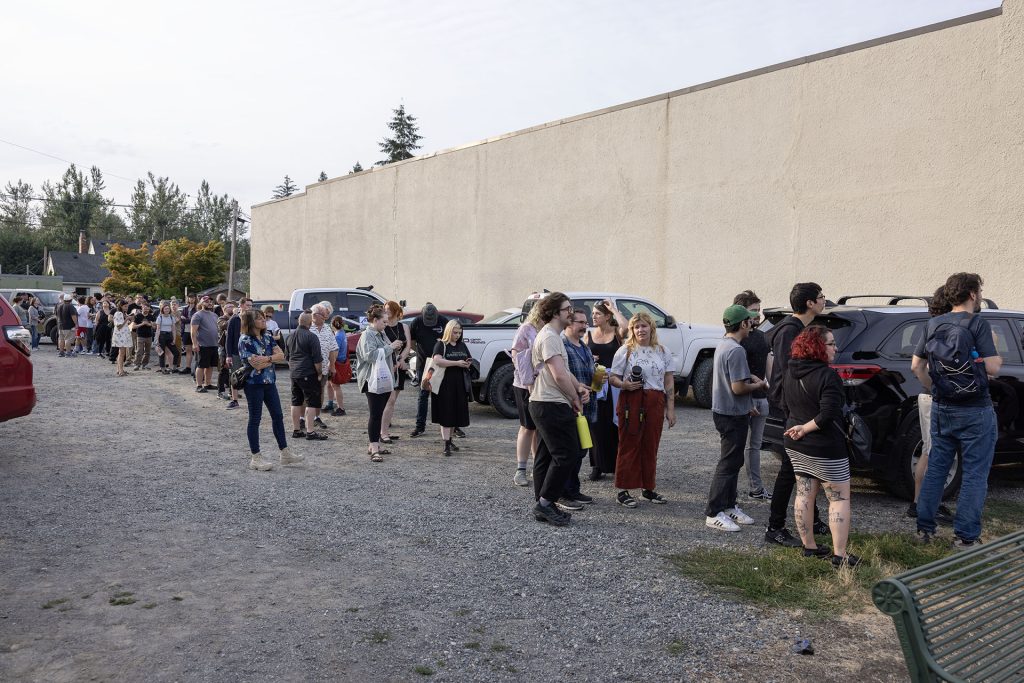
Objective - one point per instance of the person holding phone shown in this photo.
(449, 404)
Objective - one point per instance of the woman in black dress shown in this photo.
(604, 339)
(449, 403)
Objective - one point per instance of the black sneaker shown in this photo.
(782, 537)
(821, 528)
(209, 386)
(595, 473)
(924, 537)
(302, 424)
(459, 433)
(338, 412)
(582, 498)
(550, 515)
(565, 503)
(451, 442)
(822, 552)
(653, 496)
(315, 436)
(849, 560)
(298, 434)
(626, 500)
(944, 516)
(417, 432)
(912, 511)
(762, 494)
(200, 390)
(319, 423)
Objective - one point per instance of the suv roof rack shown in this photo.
(895, 299)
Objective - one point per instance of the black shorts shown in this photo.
(522, 397)
(306, 390)
(207, 356)
(186, 338)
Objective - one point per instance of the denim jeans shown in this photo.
(421, 410)
(753, 454)
(256, 395)
(733, 432)
(34, 331)
(974, 431)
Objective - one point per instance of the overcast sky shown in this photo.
(243, 93)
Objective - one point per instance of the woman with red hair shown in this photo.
(813, 398)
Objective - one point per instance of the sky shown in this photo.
(241, 94)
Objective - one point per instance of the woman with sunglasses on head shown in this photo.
(604, 339)
(396, 330)
(812, 396)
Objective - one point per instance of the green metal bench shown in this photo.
(961, 618)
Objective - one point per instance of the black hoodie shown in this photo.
(813, 390)
(781, 339)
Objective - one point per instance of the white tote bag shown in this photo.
(381, 380)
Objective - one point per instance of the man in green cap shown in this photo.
(731, 408)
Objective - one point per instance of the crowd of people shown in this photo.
(603, 391)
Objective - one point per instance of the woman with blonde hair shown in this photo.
(523, 376)
(396, 330)
(642, 371)
(449, 404)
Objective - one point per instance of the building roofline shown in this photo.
(847, 49)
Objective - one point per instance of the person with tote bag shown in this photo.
(374, 369)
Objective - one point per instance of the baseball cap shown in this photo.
(67, 297)
(429, 313)
(737, 314)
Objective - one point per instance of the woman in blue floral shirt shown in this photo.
(256, 348)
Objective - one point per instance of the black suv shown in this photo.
(874, 345)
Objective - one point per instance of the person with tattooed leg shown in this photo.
(813, 398)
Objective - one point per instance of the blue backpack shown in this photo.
(957, 375)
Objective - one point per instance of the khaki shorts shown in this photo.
(68, 336)
(924, 411)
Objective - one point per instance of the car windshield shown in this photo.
(500, 316)
(49, 298)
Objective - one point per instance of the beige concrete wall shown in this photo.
(879, 169)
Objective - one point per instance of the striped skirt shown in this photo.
(831, 470)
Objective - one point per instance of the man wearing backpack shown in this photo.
(954, 360)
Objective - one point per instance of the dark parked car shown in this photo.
(874, 345)
(17, 393)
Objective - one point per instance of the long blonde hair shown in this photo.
(449, 331)
(533, 317)
(645, 317)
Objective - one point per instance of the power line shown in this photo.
(66, 161)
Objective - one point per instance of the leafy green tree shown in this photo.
(210, 219)
(323, 177)
(16, 209)
(158, 210)
(182, 263)
(404, 138)
(357, 168)
(73, 204)
(131, 270)
(285, 189)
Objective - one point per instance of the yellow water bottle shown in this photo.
(600, 372)
(583, 427)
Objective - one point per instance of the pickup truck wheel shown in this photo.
(52, 334)
(908, 452)
(701, 382)
(499, 391)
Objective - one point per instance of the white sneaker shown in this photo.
(721, 522)
(520, 478)
(739, 516)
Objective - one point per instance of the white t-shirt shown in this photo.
(548, 344)
(273, 327)
(83, 316)
(654, 361)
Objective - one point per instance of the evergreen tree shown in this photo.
(323, 177)
(210, 219)
(357, 168)
(404, 137)
(159, 210)
(75, 203)
(285, 189)
(21, 243)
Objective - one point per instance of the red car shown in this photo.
(17, 393)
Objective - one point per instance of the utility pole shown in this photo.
(234, 238)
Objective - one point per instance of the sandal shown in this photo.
(386, 440)
(382, 451)
(376, 457)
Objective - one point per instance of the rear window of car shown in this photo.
(904, 340)
(840, 327)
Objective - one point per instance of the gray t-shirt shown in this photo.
(207, 334)
(730, 366)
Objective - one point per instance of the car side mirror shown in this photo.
(670, 322)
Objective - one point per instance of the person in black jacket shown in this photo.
(807, 302)
(813, 399)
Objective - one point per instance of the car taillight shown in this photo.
(852, 375)
(19, 338)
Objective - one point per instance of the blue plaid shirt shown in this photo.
(248, 346)
(581, 365)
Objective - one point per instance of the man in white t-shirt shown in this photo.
(555, 400)
(83, 335)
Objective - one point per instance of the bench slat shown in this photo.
(953, 628)
(1004, 652)
(1009, 557)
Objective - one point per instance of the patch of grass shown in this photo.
(783, 578)
(380, 637)
(352, 609)
(462, 612)
(53, 603)
(149, 605)
(441, 664)
(65, 608)
(475, 645)
(423, 670)
(478, 629)
(122, 598)
(497, 646)
(675, 648)
(1002, 517)
(87, 596)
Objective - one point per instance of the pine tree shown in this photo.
(405, 136)
(285, 189)
(323, 177)
(357, 168)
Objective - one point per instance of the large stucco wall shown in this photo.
(877, 170)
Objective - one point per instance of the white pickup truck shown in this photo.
(692, 347)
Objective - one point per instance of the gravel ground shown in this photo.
(341, 569)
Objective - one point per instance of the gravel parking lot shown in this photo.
(136, 491)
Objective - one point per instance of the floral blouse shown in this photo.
(250, 346)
